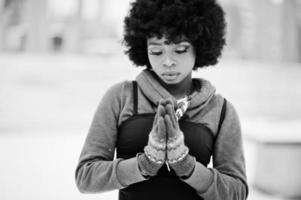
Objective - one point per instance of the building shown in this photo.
(264, 29)
(257, 29)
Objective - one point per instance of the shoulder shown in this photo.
(120, 87)
(226, 108)
(219, 102)
(119, 100)
(115, 96)
(119, 90)
(228, 120)
(219, 110)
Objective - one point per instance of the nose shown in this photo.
(169, 61)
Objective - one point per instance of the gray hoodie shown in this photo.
(98, 171)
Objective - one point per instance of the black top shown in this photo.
(133, 137)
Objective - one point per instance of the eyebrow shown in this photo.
(166, 42)
(155, 43)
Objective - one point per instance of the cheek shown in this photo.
(188, 61)
(154, 62)
(192, 59)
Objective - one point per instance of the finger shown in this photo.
(155, 128)
(160, 112)
(157, 113)
(162, 102)
(171, 102)
(170, 111)
(161, 129)
(169, 126)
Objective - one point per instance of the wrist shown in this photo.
(185, 167)
(176, 149)
(146, 166)
(155, 150)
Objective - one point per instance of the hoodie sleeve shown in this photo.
(97, 170)
(227, 178)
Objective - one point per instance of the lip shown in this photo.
(170, 76)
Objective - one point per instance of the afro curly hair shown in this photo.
(202, 22)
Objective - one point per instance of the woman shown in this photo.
(166, 126)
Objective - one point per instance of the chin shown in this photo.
(173, 82)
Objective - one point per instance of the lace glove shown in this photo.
(154, 155)
(177, 152)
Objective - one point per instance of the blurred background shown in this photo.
(57, 58)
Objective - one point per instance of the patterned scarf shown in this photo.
(182, 105)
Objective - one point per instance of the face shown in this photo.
(172, 62)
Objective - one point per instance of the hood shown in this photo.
(154, 91)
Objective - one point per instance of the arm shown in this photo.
(227, 178)
(96, 170)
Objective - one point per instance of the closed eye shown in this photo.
(182, 50)
(156, 53)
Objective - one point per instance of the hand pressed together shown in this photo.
(154, 155)
(166, 144)
(176, 149)
(155, 150)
